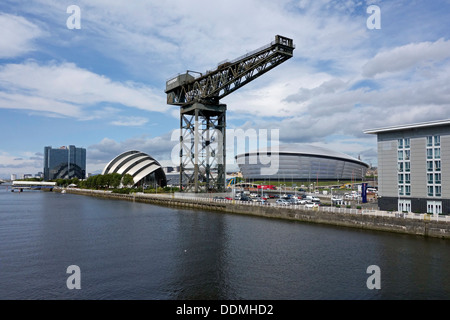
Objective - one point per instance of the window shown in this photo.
(407, 143)
(407, 178)
(437, 191)
(437, 165)
(407, 190)
(434, 187)
(434, 207)
(400, 155)
(400, 178)
(429, 165)
(400, 143)
(401, 191)
(437, 178)
(430, 191)
(400, 167)
(407, 154)
(437, 140)
(407, 166)
(437, 153)
(404, 205)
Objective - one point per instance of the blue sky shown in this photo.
(101, 87)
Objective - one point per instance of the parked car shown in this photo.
(282, 202)
(311, 205)
(294, 201)
(312, 199)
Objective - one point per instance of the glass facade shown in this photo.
(64, 163)
(403, 166)
(433, 152)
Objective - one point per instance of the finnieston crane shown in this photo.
(202, 116)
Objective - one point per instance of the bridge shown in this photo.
(35, 185)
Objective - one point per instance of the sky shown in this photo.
(96, 79)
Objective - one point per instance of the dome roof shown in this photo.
(137, 164)
(304, 149)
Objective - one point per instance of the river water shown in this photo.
(127, 250)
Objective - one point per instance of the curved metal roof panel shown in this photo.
(128, 165)
(135, 163)
(302, 149)
(145, 172)
(114, 163)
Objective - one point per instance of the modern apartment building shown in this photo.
(64, 163)
(414, 167)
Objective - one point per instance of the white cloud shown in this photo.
(22, 163)
(407, 57)
(101, 153)
(43, 106)
(67, 90)
(314, 97)
(18, 35)
(130, 121)
(196, 35)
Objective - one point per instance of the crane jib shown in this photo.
(229, 76)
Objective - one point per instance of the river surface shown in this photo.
(127, 250)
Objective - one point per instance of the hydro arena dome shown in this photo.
(144, 169)
(298, 162)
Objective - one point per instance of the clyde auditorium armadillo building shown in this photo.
(298, 162)
(144, 169)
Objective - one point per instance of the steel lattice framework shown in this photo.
(202, 116)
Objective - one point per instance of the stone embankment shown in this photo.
(413, 224)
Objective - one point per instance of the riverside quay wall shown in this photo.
(413, 224)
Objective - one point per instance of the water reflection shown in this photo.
(130, 250)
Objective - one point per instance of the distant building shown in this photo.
(13, 177)
(414, 166)
(171, 169)
(64, 163)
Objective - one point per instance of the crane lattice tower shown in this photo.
(202, 116)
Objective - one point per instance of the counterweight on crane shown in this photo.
(202, 116)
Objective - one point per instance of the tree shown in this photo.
(101, 181)
(91, 182)
(76, 181)
(127, 179)
(115, 179)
